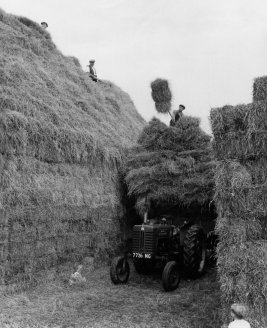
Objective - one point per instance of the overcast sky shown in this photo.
(209, 50)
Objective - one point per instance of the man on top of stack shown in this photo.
(177, 115)
(92, 71)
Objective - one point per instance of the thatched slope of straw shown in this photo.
(62, 139)
(173, 165)
(47, 98)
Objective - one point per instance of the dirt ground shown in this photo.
(100, 304)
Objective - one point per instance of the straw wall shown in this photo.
(240, 146)
(62, 140)
(53, 213)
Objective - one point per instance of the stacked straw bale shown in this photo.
(240, 146)
(172, 166)
(260, 89)
(62, 140)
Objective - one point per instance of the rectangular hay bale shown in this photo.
(260, 89)
(237, 229)
(240, 145)
(229, 119)
(257, 116)
(242, 270)
(247, 201)
(257, 170)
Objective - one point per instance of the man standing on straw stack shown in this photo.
(162, 96)
(92, 71)
(44, 25)
(177, 115)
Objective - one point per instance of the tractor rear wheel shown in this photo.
(119, 270)
(170, 276)
(194, 251)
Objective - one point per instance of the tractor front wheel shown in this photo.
(170, 276)
(119, 270)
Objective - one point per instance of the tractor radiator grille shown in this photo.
(143, 241)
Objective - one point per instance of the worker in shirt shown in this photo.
(92, 71)
(44, 25)
(238, 313)
(177, 115)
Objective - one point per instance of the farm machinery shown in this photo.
(176, 250)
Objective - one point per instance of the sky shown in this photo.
(209, 50)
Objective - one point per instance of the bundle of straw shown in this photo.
(161, 91)
(162, 96)
(186, 136)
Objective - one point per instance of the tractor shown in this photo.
(176, 250)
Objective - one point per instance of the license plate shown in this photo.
(141, 256)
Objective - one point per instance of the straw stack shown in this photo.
(171, 166)
(240, 146)
(62, 141)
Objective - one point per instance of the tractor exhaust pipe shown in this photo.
(145, 217)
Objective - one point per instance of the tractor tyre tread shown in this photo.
(189, 249)
(166, 276)
(115, 278)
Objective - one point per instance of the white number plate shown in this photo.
(141, 256)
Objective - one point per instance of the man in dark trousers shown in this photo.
(92, 71)
(177, 115)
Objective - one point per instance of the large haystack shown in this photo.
(240, 145)
(62, 138)
(171, 169)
